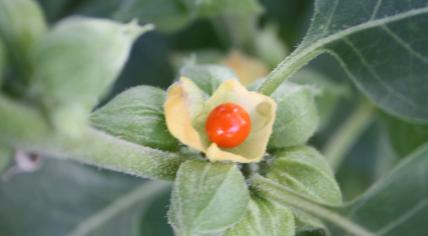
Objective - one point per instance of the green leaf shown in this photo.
(305, 171)
(207, 77)
(398, 203)
(308, 223)
(137, 115)
(395, 205)
(212, 8)
(296, 116)
(207, 198)
(76, 62)
(264, 218)
(2, 60)
(21, 25)
(65, 198)
(166, 15)
(327, 92)
(370, 39)
(5, 158)
(405, 136)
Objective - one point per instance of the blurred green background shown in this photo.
(62, 194)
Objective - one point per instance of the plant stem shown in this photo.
(24, 128)
(271, 190)
(347, 134)
(286, 69)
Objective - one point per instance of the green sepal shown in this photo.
(296, 117)
(305, 171)
(264, 218)
(207, 198)
(75, 63)
(137, 115)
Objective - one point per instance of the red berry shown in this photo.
(228, 125)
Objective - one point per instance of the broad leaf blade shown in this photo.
(398, 203)
(207, 198)
(137, 115)
(65, 198)
(264, 218)
(380, 44)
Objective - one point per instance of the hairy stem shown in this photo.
(271, 190)
(286, 69)
(347, 134)
(24, 128)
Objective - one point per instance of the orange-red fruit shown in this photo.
(228, 125)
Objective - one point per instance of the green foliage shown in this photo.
(207, 198)
(2, 60)
(264, 218)
(137, 115)
(296, 116)
(170, 15)
(307, 172)
(405, 136)
(21, 25)
(398, 203)
(86, 201)
(74, 69)
(207, 77)
(52, 79)
(350, 31)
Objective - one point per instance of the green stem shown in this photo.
(24, 128)
(271, 190)
(347, 134)
(287, 68)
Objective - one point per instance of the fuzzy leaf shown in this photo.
(296, 116)
(207, 77)
(76, 62)
(380, 44)
(21, 25)
(264, 218)
(207, 198)
(305, 171)
(136, 115)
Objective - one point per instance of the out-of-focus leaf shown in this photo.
(166, 15)
(207, 198)
(64, 198)
(264, 218)
(305, 171)
(398, 203)
(2, 60)
(5, 158)
(380, 44)
(327, 93)
(21, 25)
(170, 15)
(211, 8)
(207, 77)
(269, 47)
(75, 63)
(405, 136)
(296, 117)
(137, 115)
